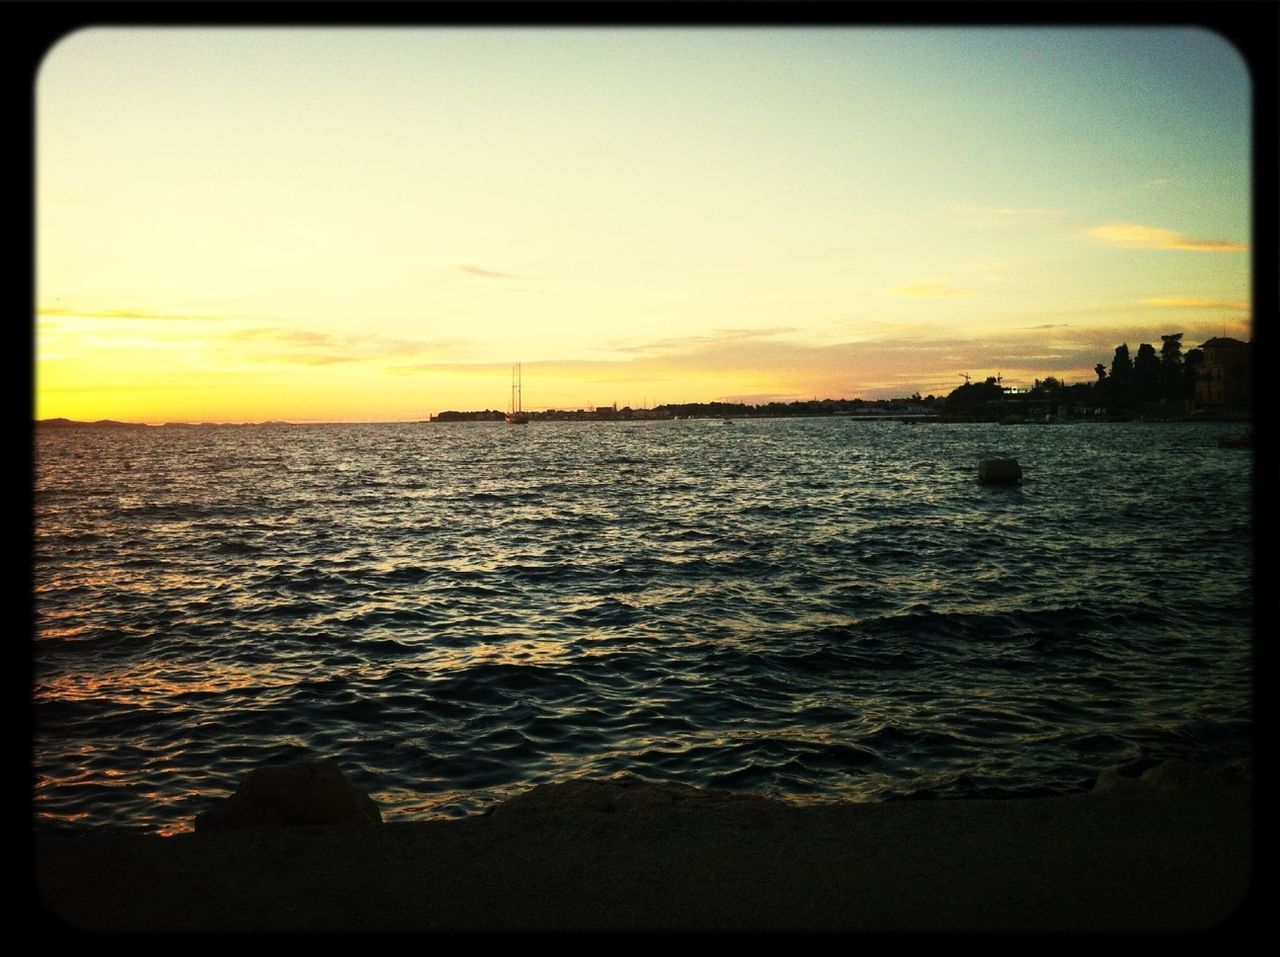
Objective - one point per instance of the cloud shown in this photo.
(472, 270)
(306, 347)
(148, 314)
(997, 216)
(716, 337)
(763, 364)
(1191, 302)
(298, 337)
(934, 289)
(881, 329)
(1136, 236)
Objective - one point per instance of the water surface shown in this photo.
(806, 608)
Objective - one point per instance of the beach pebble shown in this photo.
(306, 793)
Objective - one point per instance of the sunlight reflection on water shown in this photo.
(813, 607)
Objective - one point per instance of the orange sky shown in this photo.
(364, 225)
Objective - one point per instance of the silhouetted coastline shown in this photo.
(1211, 383)
(1136, 855)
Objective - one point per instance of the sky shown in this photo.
(356, 224)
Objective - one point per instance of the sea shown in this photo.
(811, 609)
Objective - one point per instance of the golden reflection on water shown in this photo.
(523, 652)
(69, 631)
(49, 785)
(140, 683)
(180, 825)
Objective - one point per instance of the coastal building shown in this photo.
(1226, 373)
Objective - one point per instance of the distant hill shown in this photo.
(101, 423)
(62, 423)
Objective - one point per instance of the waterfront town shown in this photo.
(1211, 382)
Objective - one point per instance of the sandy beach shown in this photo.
(611, 857)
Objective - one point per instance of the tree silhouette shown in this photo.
(1122, 368)
(1050, 385)
(1171, 366)
(1146, 373)
(1191, 372)
(973, 397)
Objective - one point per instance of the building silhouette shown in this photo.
(1226, 373)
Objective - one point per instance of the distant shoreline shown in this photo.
(62, 423)
(1216, 417)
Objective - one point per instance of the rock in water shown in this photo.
(1174, 774)
(999, 472)
(307, 793)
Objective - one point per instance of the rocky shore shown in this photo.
(1173, 851)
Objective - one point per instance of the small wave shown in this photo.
(239, 547)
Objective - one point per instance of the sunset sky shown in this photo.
(372, 225)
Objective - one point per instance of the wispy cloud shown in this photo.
(147, 314)
(767, 364)
(297, 337)
(716, 337)
(991, 217)
(473, 270)
(1191, 302)
(942, 288)
(1137, 236)
(311, 348)
(877, 330)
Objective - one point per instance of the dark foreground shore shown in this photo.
(613, 857)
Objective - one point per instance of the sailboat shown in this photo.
(515, 415)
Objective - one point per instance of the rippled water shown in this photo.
(804, 608)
